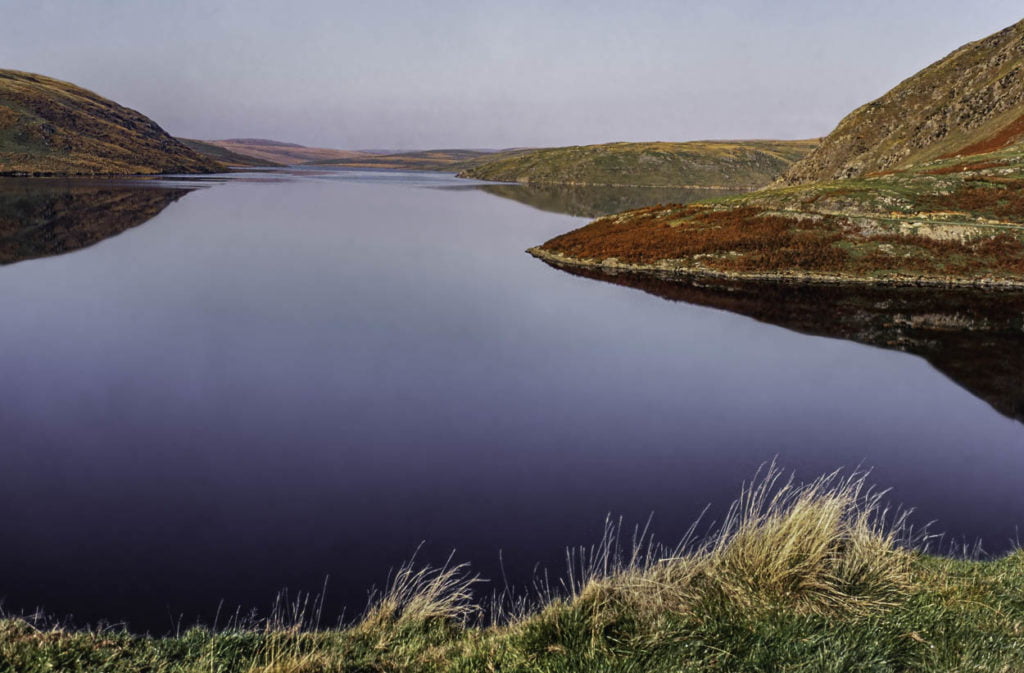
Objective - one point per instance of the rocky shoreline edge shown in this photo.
(678, 270)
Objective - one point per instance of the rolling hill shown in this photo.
(224, 156)
(273, 152)
(923, 187)
(450, 161)
(50, 127)
(708, 164)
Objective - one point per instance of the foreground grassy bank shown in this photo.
(797, 578)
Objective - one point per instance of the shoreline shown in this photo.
(675, 269)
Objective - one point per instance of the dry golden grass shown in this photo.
(827, 548)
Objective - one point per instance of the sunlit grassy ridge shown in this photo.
(717, 164)
(52, 127)
(816, 577)
(952, 221)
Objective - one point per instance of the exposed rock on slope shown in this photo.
(969, 103)
(922, 187)
(50, 127)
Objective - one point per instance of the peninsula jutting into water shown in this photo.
(251, 379)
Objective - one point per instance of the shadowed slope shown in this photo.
(223, 155)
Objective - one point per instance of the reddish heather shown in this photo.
(1008, 135)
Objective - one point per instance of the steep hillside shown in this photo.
(224, 156)
(920, 200)
(286, 154)
(50, 127)
(969, 103)
(732, 164)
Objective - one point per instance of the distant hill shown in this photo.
(968, 103)
(450, 161)
(924, 186)
(745, 164)
(276, 152)
(50, 127)
(224, 156)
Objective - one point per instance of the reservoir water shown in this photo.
(218, 388)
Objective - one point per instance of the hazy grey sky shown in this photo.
(482, 73)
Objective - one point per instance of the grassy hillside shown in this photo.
(814, 578)
(732, 164)
(271, 152)
(425, 160)
(953, 215)
(969, 103)
(223, 155)
(49, 127)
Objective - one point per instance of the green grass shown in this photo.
(951, 221)
(50, 127)
(816, 577)
(734, 165)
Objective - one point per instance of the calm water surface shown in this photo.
(265, 380)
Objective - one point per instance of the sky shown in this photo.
(399, 74)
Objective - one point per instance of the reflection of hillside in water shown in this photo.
(595, 201)
(40, 217)
(975, 338)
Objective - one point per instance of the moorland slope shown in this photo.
(50, 127)
(741, 164)
(880, 201)
(273, 152)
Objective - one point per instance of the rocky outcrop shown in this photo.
(970, 102)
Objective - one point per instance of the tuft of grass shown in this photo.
(828, 547)
(421, 595)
